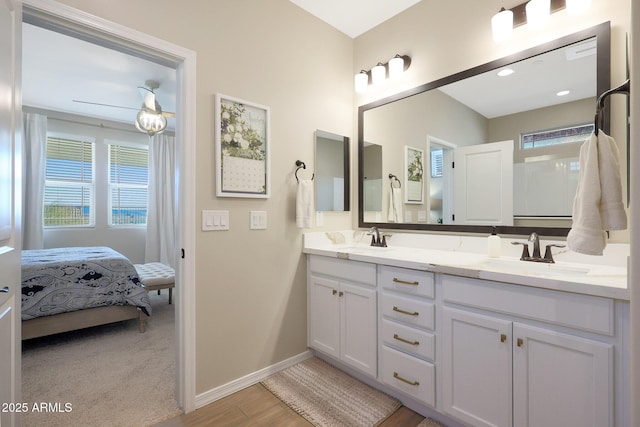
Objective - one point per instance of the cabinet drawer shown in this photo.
(355, 271)
(408, 281)
(412, 376)
(414, 311)
(411, 340)
(585, 312)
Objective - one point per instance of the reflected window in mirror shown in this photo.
(332, 172)
(476, 107)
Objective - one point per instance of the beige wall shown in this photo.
(443, 38)
(251, 284)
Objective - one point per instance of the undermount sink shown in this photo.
(509, 265)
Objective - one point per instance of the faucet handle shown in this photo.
(548, 256)
(525, 249)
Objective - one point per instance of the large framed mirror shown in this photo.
(495, 149)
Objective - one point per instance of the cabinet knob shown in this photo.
(503, 337)
(520, 342)
(334, 292)
(341, 294)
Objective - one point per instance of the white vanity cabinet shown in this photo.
(407, 331)
(342, 311)
(519, 356)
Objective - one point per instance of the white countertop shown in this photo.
(604, 276)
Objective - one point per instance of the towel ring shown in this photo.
(392, 177)
(624, 88)
(300, 165)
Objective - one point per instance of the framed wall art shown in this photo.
(413, 175)
(242, 148)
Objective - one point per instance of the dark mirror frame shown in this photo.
(602, 32)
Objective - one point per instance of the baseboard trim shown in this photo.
(225, 390)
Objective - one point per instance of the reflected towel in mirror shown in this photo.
(395, 205)
(304, 203)
(598, 205)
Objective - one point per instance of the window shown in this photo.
(128, 185)
(437, 158)
(555, 136)
(69, 183)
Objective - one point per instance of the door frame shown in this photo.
(66, 19)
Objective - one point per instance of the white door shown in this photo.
(477, 368)
(358, 332)
(10, 119)
(324, 315)
(483, 184)
(559, 379)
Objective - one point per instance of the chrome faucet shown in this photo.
(376, 239)
(536, 257)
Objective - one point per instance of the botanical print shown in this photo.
(243, 156)
(414, 172)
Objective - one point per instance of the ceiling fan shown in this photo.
(150, 118)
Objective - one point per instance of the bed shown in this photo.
(65, 289)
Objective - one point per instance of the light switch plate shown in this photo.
(215, 220)
(258, 220)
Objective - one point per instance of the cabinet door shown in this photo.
(358, 330)
(561, 380)
(324, 315)
(477, 368)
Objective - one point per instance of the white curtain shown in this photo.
(33, 163)
(160, 240)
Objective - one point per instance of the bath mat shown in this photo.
(327, 397)
(428, 422)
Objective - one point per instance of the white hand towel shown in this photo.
(304, 203)
(395, 205)
(598, 203)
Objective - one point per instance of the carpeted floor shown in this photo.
(110, 375)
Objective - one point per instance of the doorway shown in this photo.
(66, 20)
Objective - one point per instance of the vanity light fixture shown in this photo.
(533, 12)
(393, 69)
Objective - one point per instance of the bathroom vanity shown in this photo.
(483, 341)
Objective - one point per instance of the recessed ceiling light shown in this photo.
(563, 93)
(505, 72)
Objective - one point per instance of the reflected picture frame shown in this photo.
(413, 175)
(242, 148)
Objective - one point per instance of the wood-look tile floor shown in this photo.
(256, 406)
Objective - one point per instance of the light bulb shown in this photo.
(396, 67)
(538, 12)
(502, 25)
(378, 74)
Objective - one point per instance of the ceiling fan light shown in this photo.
(150, 122)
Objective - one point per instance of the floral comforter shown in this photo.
(60, 280)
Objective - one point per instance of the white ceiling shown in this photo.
(354, 17)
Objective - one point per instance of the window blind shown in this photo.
(128, 182)
(69, 183)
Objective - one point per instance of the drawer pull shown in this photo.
(398, 377)
(404, 282)
(415, 313)
(396, 337)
